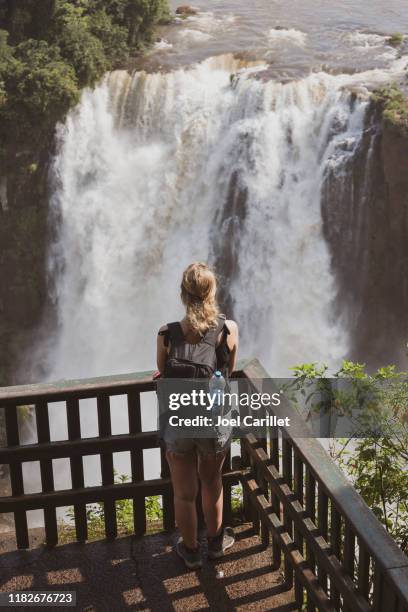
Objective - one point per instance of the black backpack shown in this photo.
(199, 360)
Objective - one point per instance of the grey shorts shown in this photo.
(219, 441)
(201, 446)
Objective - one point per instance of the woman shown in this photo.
(201, 343)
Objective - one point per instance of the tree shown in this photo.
(40, 87)
(77, 44)
(112, 36)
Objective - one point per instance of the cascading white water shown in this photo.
(144, 168)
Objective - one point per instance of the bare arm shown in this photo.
(232, 342)
(161, 351)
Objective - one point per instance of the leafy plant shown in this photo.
(394, 104)
(377, 465)
(95, 515)
(396, 39)
(237, 500)
(49, 50)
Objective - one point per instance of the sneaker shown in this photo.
(218, 545)
(192, 558)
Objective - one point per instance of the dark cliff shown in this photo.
(366, 224)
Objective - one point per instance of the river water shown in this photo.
(295, 36)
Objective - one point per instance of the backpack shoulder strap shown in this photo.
(173, 333)
(225, 332)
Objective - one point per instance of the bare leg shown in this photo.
(183, 469)
(209, 471)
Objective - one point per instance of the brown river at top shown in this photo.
(294, 37)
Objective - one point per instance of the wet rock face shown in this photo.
(24, 235)
(186, 9)
(225, 241)
(395, 158)
(365, 220)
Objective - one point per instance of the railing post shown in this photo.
(298, 488)
(349, 555)
(311, 512)
(105, 429)
(335, 541)
(77, 468)
(245, 460)
(322, 523)
(47, 476)
(227, 502)
(16, 476)
(169, 521)
(363, 570)
(136, 461)
(274, 455)
(287, 476)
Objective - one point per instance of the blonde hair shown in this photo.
(198, 294)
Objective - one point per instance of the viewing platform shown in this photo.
(306, 540)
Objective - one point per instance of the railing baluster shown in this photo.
(363, 570)
(287, 476)
(298, 488)
(255, 516)
(311, 512)
(227, 505)
(245, 463)
(349, 547)
(378, 588)
(77, 468)
(322, 523)
(136, 461)
(401, 607)
(47, 476)
(245, 459)
(16, 477)
(349, 555)
(169, 521)
(105, 429)
(335, 541)
(265, 536)
(274, 455)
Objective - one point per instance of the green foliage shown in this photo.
(396, 39)
(379, 473)
(394, 104)
(5, 58)
(39, 85)
(124, 516)
(377, 465)
(50, 49)
(78, 45)
(113, 37)
(237, 500)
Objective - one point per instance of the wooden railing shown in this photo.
(335, 552)
(69, 394)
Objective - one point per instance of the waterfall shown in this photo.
(214, 163)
